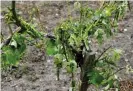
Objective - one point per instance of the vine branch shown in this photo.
(7, 41)
(102, 54)
(63, 45)
(117, 71)
(22, 26)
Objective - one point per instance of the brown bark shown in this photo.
(84, 84)
(89, 60)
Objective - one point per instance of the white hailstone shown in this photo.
(64, 60)
(89, 41)
(1, 17)
(56, 79)
(125, 30)
(96, 52)
(48, 61)
(75, 24)
(20, 13)
(46, 27)
(70, 89)
(126, 60)
(56, 14)
(34, 18)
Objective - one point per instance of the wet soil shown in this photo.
(36, 71)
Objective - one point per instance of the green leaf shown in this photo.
(51, 48)
(109, 81)
(68, 68)
(14, 51)
(58, 60)
(116, 54)
(95, 78)
(31, 30)
(20, 40)
(9, 57)
(71, 66)
(107, 12)
(99, 35)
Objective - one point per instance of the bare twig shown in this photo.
(117, 71)
(129, 5)
(7, 41)
(20, 28)
(17, 21)
(102, 54)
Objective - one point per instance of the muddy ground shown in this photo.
(36, 71)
